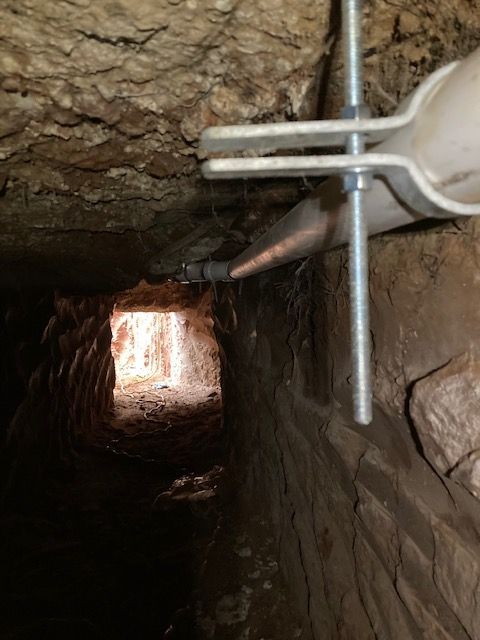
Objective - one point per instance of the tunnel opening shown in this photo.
(145, 346)
(167, 394)
(141, 496)
(163, 358)
(113, 459)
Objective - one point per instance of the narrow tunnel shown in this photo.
(180, 455)
(167, 378)
(127, 433)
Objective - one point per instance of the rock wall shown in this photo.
(102, 105)
(197, 348)
(166, 297)
(378, 527)
(141, 346)
(57, 381)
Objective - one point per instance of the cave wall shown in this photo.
(57, 381)
(197, 348)
(378, 527)
(102, 105)
(141, 346)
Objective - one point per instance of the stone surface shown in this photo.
(167, 297)
(445, 408)
(57, 382)
(142, 346)
(102, 104)
(456, 574)
(375, 540)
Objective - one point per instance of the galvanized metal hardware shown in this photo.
(355, 183)
(319, 133)
(357, 167)
(403, 174)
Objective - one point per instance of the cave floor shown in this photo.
(115, 552)
(142, 541)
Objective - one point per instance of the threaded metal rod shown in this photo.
(352, 51)
(359, 313)
(358, 248)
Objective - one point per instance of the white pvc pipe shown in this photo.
(444, 138)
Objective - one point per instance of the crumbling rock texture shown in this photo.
(167, 297)
(404, 42)
(141, 346)
(378, 527)
(197, 348)
(186, 340)
(57, 382)
(102, 105)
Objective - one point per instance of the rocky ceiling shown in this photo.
(102, 103)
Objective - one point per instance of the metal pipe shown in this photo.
(444, 140)
(359, 309)
(352, 51)
(318, 223)
(207, 271)
(355, 183)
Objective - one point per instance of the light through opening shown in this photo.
(145, 346)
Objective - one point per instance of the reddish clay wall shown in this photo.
(57, 381)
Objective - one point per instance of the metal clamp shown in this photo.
(357, 167)
(319, 133)
(402, 173)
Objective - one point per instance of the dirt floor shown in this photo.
(104, 559)
(179, 427)
(142, 542)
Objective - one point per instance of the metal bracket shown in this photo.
(357, 166)
(318, 133)
(403, 173)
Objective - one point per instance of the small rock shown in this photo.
(445, 409)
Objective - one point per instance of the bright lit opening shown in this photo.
(167, 397)
(145, 346)
(155, 350)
